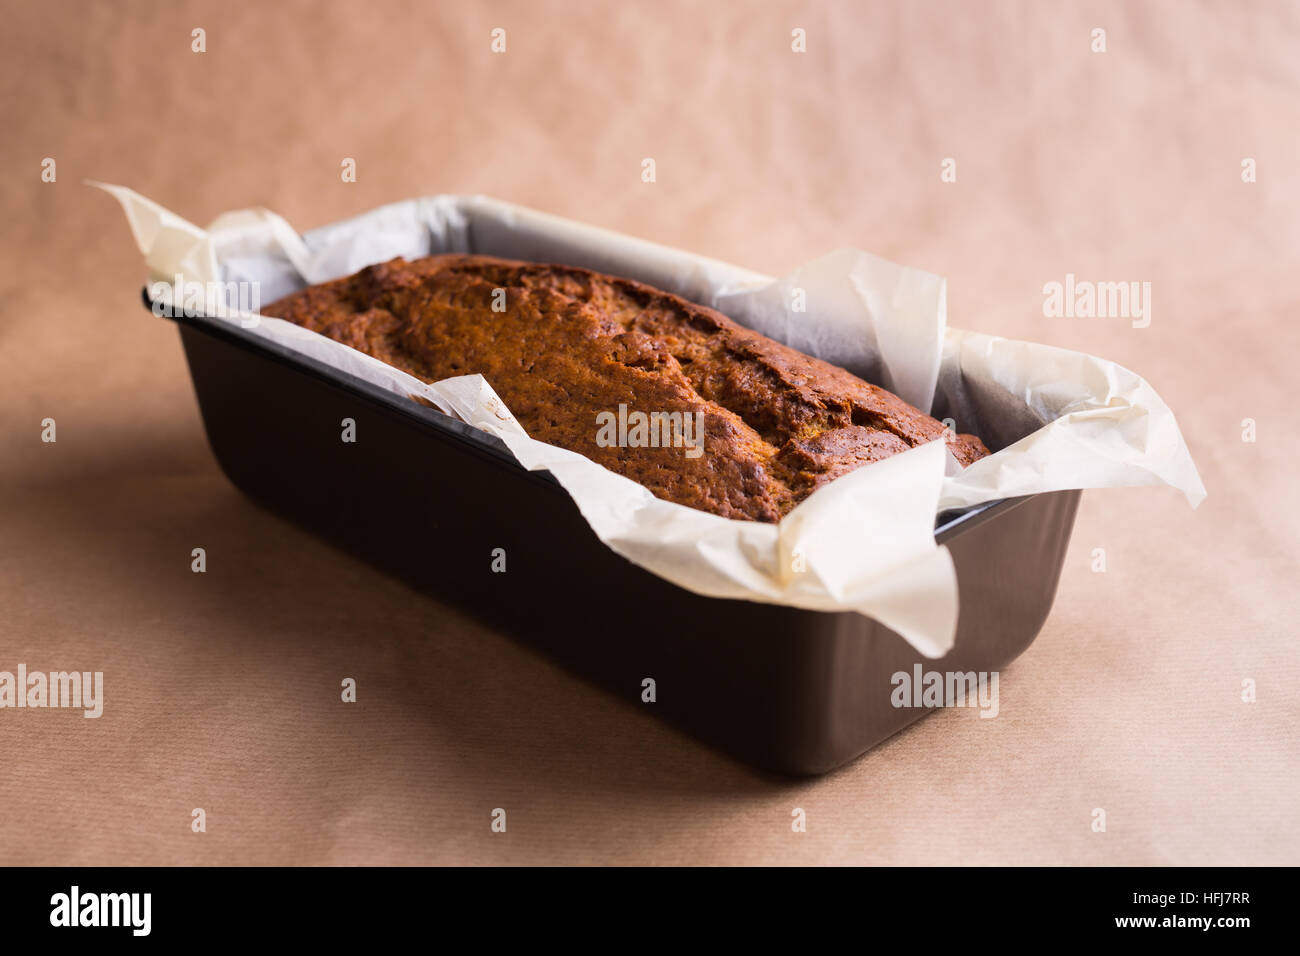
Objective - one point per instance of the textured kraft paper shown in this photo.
(221, 689)
(1056, 419)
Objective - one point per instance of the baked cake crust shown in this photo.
(572, 344)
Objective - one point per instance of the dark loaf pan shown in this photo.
(789, 690)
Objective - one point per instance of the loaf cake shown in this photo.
(674, 395)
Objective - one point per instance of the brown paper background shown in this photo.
(222, 689)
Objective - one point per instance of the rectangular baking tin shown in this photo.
(428, 498)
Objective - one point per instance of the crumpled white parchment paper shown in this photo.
(864, 542)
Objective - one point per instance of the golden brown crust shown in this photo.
(572, 344)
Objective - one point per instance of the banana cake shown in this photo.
(571, 351)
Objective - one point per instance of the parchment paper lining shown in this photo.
(1056, 419)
